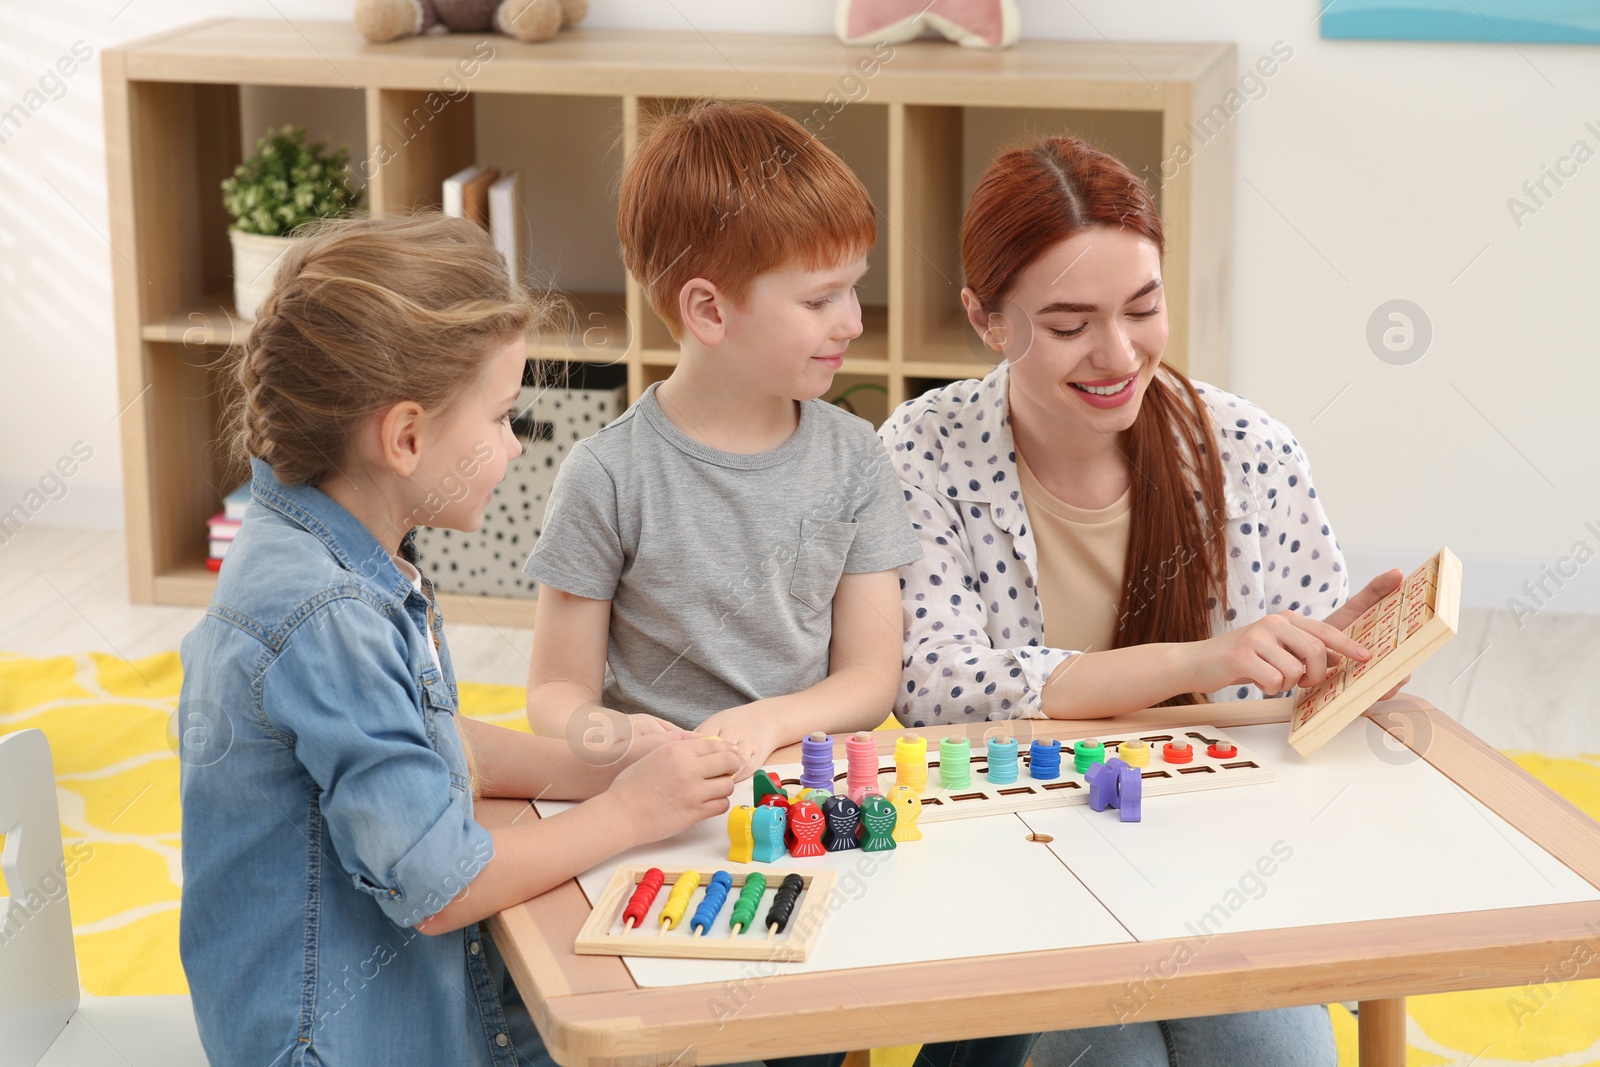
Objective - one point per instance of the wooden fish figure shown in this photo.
(843, 816)
(805, 830)
(767, 824)
(877, 823)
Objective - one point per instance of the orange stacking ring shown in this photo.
(1177, 752)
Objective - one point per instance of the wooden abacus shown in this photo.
(604, 933)
(1402, 630)
(1214, 761)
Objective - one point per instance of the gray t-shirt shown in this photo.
(720, 567)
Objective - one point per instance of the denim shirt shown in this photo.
(327, 810)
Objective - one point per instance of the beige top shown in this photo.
(1081, 556)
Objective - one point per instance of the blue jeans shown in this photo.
(979, 1052)
(1290, 1037)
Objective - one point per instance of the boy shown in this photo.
(729, 547)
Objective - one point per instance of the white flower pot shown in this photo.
(255, 265)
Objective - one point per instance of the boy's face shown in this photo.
(791, 332)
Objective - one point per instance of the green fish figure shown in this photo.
(877, 823)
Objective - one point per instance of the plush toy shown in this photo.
(974, 23)
(524, 20)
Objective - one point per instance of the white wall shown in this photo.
(1367, 172)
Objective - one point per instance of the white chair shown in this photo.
(43, 1020)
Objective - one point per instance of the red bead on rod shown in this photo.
(861, 752)
(643, 895)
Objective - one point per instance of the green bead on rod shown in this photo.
(744, 909)
(1087, 753)
(955, 763)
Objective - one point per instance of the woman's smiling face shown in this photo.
(1083, 327)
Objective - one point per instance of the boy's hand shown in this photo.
(675, 785)
(750, 730)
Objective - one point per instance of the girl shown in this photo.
(334, 876)
(1100, 534)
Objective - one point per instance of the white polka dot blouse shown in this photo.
(975, 646)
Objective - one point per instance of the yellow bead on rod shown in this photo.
(1134, 753)
(911, 763)
(678, 900)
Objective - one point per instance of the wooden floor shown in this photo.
(1518, 687)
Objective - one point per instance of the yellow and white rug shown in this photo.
(109, 722)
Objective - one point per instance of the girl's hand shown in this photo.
(1276, 653)
(749, 729)
(641, 745)
(676, 785)
(645, 725)
(602, 737)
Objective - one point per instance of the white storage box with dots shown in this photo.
(489, 561)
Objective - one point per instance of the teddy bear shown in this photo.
(523, 20)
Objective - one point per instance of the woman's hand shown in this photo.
(1276, 654)
(749, 728)
(674, 785)
(1357, 606)
(1352, 609)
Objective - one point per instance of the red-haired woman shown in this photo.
(1099, 534)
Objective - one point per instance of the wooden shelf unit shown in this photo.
(917, 122)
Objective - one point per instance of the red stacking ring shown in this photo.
(1177, 752)
(1222, 750)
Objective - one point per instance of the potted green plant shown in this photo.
(286, 182)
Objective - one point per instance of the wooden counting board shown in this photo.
(1160, 777)
(1402, 631)
(603, 933)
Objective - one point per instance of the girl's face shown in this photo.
(793, 328)
(471, 444)
(1083, 328)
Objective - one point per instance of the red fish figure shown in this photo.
(805, 829)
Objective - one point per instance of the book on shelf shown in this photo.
(505, 221)
(466, 193)
(234, 503)
(222, 527)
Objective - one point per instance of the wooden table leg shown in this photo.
(1382, 1028)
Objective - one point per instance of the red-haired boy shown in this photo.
(729, 546)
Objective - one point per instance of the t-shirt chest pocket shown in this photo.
(819, 561)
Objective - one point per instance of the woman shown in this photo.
(1101, 535)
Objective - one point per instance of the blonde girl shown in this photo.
(335, 878)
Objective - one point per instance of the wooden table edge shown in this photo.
(592, 1012)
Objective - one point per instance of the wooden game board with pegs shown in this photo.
(603, 933)
(1160, 777)
(1402, 630)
